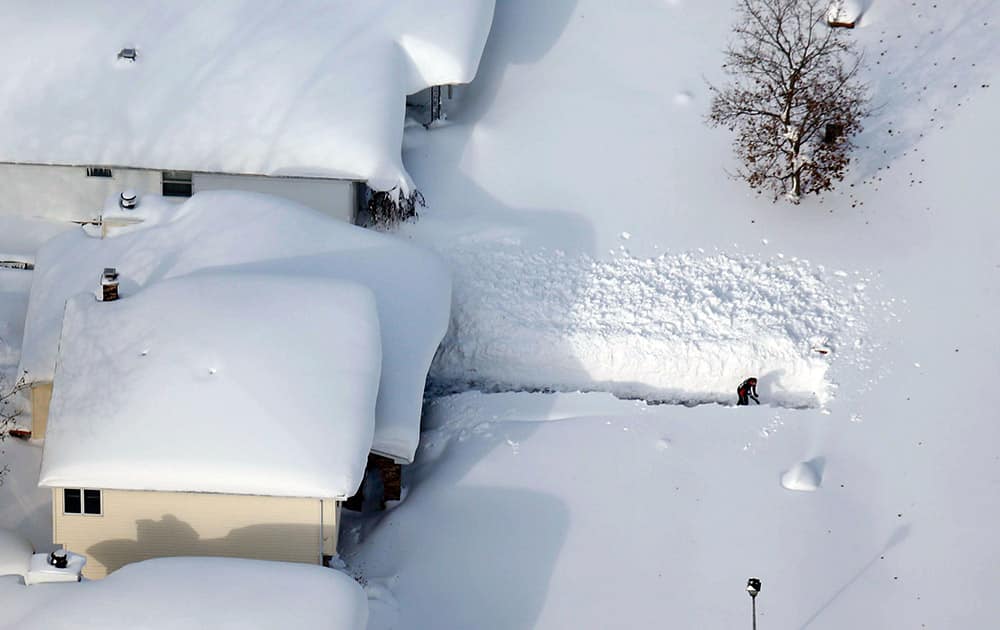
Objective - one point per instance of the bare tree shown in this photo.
(793, 98)
(8, 416)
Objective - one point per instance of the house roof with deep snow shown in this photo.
(222, 232)
(310, 88)
(237, 382)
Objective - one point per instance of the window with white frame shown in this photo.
(82, 501)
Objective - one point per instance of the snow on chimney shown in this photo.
(109, 284)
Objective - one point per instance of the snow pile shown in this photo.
(233, 383)
(804, 476)
(308, 88)
(247, 232)
(195, 594)
(677, 328)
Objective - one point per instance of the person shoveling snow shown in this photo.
(747, 390)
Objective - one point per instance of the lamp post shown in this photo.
(753, 587)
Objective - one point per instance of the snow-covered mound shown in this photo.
(194, 594)
(309, 88)
(681, 328)
(247, 232)
(239, 383)
(804, 476)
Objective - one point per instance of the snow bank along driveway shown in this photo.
(675, 328)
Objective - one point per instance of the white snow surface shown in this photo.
(309, 88)
(192, 594)
(15, 553)
(237, 383)
(230, 231)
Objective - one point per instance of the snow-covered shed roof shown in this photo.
(253, 232)
(292, 87)
(198, 593)
(234, 382)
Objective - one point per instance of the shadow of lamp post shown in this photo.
(753, 587)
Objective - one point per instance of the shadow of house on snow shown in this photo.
(171, 536)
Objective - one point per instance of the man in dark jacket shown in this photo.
(746, 391)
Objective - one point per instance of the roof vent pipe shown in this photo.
(58, 559)
(127, 200)
(109, 285)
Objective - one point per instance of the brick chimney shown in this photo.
(109, 284)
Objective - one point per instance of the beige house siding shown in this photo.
(41, 395)
(138, 525)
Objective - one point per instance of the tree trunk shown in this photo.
(796, 191)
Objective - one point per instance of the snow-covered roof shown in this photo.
(234, 382)
(199, 593)
(303, 87)
(248, 231)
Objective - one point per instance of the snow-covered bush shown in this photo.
(388, 208)
(793, 99)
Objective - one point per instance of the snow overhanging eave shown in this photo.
(288, 172)
(55, 482)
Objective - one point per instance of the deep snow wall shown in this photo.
(683, 328)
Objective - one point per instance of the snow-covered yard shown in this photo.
(595, 243)
(583, 511)
(579, 159)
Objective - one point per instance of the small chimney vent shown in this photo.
(58, 559)
(127, 200)
(109, 284)
(128, 54)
